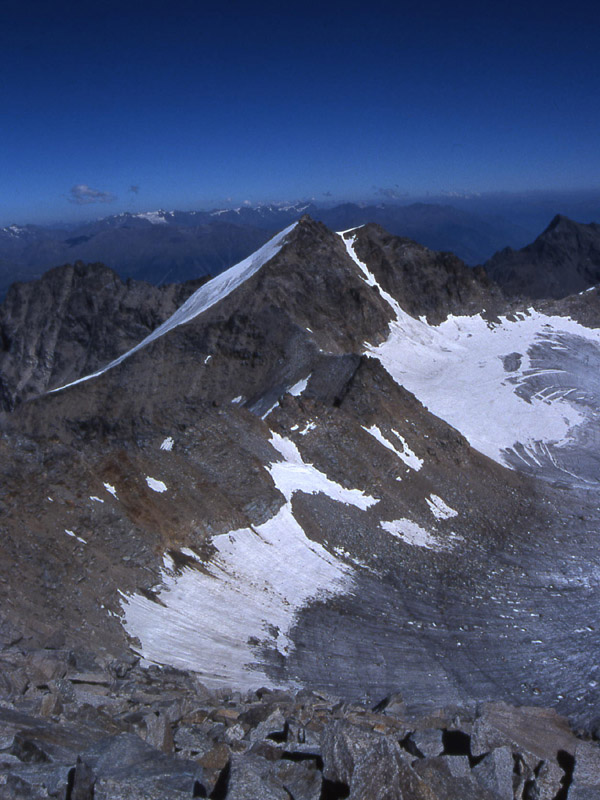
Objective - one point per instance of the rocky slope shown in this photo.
(563, 260)
(328, 471)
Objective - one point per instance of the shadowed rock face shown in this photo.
(563, 260)
(284, 490)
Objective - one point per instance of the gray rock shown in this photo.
(253, 777)
(382, 772)
(495, 773)
(429, 742)
(127, 764)
(158, 732)
(274, 727)
(343, 746)
(301, 779)
(450, 778)
(539, 731)
(586, 775)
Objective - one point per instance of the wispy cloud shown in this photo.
(390, 192)
(82, 194)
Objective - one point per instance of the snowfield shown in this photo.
(249, 594)
(469, 371)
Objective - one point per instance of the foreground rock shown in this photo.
(73, 730)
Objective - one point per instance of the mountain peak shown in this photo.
(560, 222)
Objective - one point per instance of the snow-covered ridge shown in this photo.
(155, 217)
(204, 298)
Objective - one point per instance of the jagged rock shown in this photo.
(128, 765)
(450, 778)
(300, 778)
(539, 731)
(382, 771)
(495, 773)
(274, 727)
(158, 732)
(429, 742)
(424, 281)
(251, 776)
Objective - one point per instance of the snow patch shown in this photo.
(457, 370)
(154, 217)
(439, 508)
(411, 533)
(111, 490)
(297, 389)
(273, 407)
(248, 594)
(96, 499)
(294, 475)
(406, 454)
(167, 444)
(155, 485)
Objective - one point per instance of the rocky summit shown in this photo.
(563, 260)
(326, 528)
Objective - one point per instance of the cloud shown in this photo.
(134, 189)
(390, 192)
(82, 194)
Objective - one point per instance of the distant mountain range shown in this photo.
(174, 246)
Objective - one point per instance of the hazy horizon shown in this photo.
(141, 105)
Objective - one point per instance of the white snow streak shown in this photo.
(294, 475)
(167, 444)
(111, 490)
(204, 298)
(406, 455)
(154, 217)
(74, 535)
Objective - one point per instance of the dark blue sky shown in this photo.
(193, 104)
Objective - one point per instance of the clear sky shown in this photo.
(140, 105)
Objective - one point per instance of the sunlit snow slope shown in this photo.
(522, 390)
